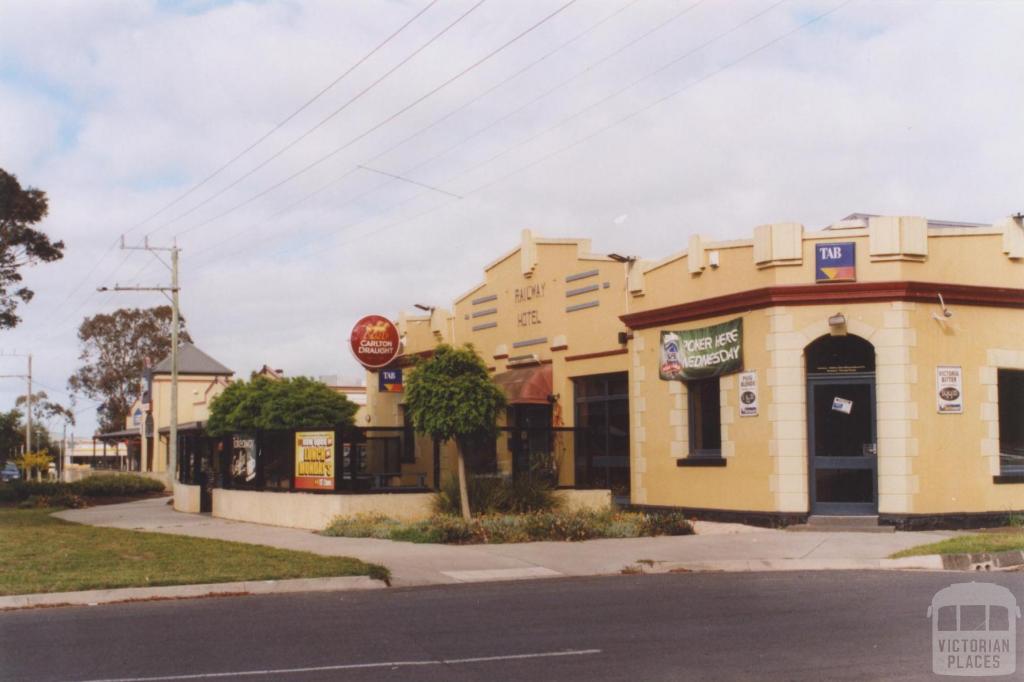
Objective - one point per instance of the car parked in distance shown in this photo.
(10, 472)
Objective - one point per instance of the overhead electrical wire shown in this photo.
(614, 123)
(323, 121)
(605, 128)
(460, 108)
(380, 124)
(632, 42)
(242, 153)
(305, 105)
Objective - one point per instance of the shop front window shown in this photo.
(704, 398)
(602, 432)
(1011, 421)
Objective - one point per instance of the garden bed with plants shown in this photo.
(83, 493)
(504, 528)
(509, 511)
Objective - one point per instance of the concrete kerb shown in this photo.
(130, 594)
(931, 562)
(984, 561)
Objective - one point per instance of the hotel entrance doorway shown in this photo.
(841, 436)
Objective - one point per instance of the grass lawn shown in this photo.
(39, 553)
(969, 544)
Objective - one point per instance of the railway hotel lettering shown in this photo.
(528, 318)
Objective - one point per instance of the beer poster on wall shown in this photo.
(314, 460)
(748, 394)
(243, 457)
(949, 389)
(702, 353)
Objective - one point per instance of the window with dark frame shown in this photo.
(408, 439)
(705, 411)
(1011, 421)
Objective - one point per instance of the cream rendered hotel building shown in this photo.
(888, 383)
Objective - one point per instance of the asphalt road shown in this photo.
(769, 626)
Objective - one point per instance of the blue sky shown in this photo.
(117, 107)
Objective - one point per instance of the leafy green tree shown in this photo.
(263, 403)
(44, 409)
(451, 396)
(20, 244)
(12, 436)
(115, 347)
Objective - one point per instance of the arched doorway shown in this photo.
(841, 432)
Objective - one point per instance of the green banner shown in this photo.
(702, 353)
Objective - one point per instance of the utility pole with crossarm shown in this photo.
(172, 446)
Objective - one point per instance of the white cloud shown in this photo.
(888, 107)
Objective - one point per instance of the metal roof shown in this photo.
(191, 360)
(931, 222)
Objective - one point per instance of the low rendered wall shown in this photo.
(315, 512)
(186, 498)
(596, 500)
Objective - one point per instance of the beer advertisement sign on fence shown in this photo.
(374, 341)
(314, 460)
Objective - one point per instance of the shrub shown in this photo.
(491, 495)
(118, 485)
(503, 528)
(362, 526)
(63, 500)
(666, 523)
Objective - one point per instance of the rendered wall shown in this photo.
(927, 463)
(312, 511)
(186, 498)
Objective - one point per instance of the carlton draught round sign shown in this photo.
(374, 341)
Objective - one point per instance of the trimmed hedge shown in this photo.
(504, 528)
(117, 485)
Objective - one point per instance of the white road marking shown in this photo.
(357, 666)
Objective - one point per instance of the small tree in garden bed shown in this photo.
(451, 396)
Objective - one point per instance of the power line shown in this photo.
(305, 105)
(381, 124)
(422, 130)
(112, 248)
(646, 34)
(309, 132)
(410, 181)
(605, 128)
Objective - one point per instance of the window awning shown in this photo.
(186, 426)
(126, 434)
(526, 385)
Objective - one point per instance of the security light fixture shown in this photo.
(428, 308)
(837, 324)
(622, 259)
(946, 312)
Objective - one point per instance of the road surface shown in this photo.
(729, 626)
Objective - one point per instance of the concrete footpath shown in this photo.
(723, 547)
